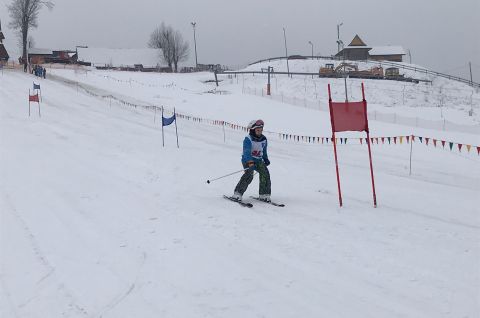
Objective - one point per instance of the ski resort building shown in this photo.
(358, 50)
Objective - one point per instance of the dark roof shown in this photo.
(357, 41)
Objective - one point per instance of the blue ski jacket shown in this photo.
(255, 149)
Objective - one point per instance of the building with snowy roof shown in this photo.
(393, 53)
(40, 56)
(358, 50)
(148, 58)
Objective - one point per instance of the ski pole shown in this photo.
(208, 181)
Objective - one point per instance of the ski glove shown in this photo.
(267, 162)
(251, 165)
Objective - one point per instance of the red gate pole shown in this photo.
(334, 145)
(369, 150)
(29, 102)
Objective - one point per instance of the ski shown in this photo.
(271, 202)
(244, 204)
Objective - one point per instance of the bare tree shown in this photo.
(180, 49)
(160, 39)
(174, 48)
(31, 43)
(24, 15)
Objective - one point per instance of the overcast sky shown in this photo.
(440, 34)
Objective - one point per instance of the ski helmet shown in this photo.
(258, 123)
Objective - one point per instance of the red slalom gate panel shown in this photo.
(349, 116)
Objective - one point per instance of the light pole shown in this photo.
(338, 36)
(286, 52)
(195, 42)
(310, 42)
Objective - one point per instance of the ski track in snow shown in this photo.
(120, 227)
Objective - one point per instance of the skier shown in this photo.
(254, 157)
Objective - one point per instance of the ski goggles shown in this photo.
(258, 124)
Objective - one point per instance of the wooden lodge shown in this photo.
(40, 56)
(3, 52)
(358, 50)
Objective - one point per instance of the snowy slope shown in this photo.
(442, 99)
(98, 220)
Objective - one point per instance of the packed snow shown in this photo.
(97, 219)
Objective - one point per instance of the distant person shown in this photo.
(255, 158)
(44, 73)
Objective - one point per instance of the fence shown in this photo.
(99, 93)
(392, 118)
(383, 63)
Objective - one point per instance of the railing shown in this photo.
(332, 75)
(392, 118)
(386, 63)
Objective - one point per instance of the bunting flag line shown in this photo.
(283, 136)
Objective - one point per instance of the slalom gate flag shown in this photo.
(36, 86)
(168, 121)
(33, 98)
(350, 116)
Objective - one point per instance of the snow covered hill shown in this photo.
(97, 219)
(439, 99)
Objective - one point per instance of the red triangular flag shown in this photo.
(460, 147)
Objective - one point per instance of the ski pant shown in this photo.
(247, 177)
